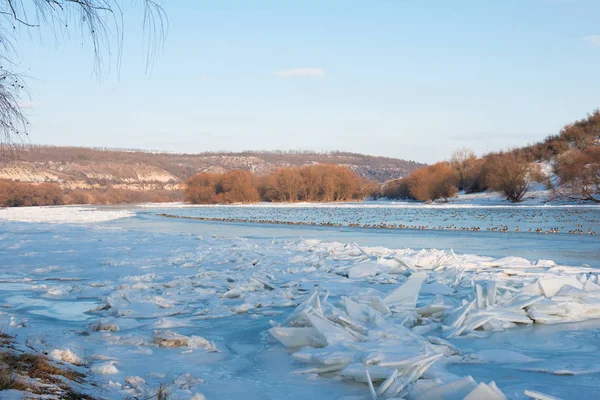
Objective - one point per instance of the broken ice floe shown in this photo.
(380, 340)
(171, 340)
(389, 319)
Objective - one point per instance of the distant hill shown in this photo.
(80, 167)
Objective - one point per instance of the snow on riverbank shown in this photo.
(537, 197)
(148, 309)
(62, 215)
(534, 199)
(487, 202)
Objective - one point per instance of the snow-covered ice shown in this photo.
(62, 215)
(523, 219)
(225, 317)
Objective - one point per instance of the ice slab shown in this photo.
(407, 295)
(551, 286)
(538, 395)
(296, 337)
(456, 390)
(486, 392)
(503, 356)
(364, 270)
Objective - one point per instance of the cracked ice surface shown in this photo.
(231, 317)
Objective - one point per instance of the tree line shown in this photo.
(573, 154)
(25, 194)
(503, 172)
(314, 183)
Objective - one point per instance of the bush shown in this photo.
(437, 181)
(579, 172)
(20, 194)
(464, 161)
(580, 135)
(320, 182)
(509, 174)
(232, 187)
(576, 148)
(239, 187)
(110, 195)
(79, 197)
(284, 185)
(203, 188)
(397, 189)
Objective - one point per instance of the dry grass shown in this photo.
(34, 373)
(162, 393)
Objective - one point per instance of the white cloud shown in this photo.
(310, 72)
(594, 40)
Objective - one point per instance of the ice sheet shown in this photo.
(253, 311)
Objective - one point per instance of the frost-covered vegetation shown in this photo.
(26, 374)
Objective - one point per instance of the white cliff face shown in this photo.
(90, 176)
(27, 173)
(121, 166)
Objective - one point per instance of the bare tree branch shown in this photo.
(13, 123)
(100, 21)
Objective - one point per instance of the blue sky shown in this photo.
(407, 79)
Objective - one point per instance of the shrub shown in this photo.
(239, 187)
(79, 197)
(203, 188)
(464, 161)
(579, 172)
(397, 189)
(437, 181)
(110, 195)
(284, 185)
(20, 194)
(509, 174)
(320, 182)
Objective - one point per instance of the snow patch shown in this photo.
(65, 356)
(62, 215)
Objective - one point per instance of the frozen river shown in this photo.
(114, 292)
(447, 217)
(563, 247)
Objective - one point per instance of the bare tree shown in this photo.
(510, 175)
(100, 21)
(463, 161)
(13, 123)
(579, 172)
(324, 182)
(286, 184)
